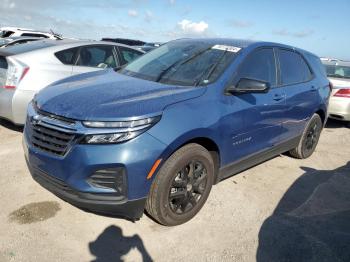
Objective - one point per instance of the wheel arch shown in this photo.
(206, 141)
(322, 113)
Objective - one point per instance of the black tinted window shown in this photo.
(34, 35)
(293, 68)
(128, 54)
(67, 56)
(97, 56)
(316, 64)
(259, 65)
(6, 33)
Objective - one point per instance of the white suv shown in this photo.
(15, 31)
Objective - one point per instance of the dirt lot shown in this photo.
(281, 210)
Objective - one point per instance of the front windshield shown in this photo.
(338, 71)
(185, 63)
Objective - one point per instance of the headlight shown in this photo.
(122, 124)
(124, 130)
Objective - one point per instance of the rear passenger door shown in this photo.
(297, 82)
(95, 57)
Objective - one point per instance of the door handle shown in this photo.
(278, 97)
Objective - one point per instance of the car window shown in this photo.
(259, 65)
(34, 35)
(128, 54)
(101, 56)
(338, 71)
(67, 56)
(293, 68)
(316, 64)
(184, 63)
(6, 33)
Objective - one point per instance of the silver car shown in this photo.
(26, 69)
(10, 41)
(338, 73)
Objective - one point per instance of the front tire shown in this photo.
(309, 139)
(181, 186)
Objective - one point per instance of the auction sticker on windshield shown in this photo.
(228, 48)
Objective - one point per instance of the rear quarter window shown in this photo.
(67, 56)
(316, 64)
(127, 54)
(293, 68)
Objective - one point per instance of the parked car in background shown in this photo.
(338, 72)
(11, 41)
(16, 31)
(148, 46)
(125, 41)
(162, 130)
(26, 69)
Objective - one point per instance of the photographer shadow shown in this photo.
(111, 246)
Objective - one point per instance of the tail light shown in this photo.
(16, 71)
(343, 93)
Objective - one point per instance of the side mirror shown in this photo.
(246, 85)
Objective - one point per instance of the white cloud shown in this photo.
(148, 16)
(132, 13)
(297, 34)
(172, 2)
(241, 23)
(189, 27)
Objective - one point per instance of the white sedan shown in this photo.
(338, 73)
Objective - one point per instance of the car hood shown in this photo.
(107, 95)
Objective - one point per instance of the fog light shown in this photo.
(110, 178)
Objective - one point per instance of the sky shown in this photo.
(319, 26)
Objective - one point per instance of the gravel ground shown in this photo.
(282, 210)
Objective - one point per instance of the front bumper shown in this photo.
(339, 108)
(94, 202)
(69, 175)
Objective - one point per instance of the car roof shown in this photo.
(218, 41)
(241, 43)
(334, 61)
(50, 43)
(15, 38)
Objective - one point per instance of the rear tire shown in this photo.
(181, 186)
(309, 138)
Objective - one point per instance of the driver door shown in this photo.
(261, 113)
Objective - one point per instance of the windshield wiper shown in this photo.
(118, 68)
(179, 63)
(207, 73)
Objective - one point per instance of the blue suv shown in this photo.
(158, 133)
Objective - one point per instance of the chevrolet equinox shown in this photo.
(156, 134)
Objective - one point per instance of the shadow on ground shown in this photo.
(11, 126)
(332, 123)
(111, 246)
(312, 220)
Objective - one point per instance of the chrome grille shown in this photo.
(50, 135)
